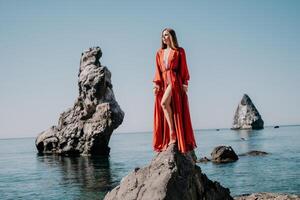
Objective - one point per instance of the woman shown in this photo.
(172, 122)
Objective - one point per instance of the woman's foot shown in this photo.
(172, 138)
(172, 142)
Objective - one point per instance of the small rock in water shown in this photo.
(254, 153)
(223, 154)
(203, 160)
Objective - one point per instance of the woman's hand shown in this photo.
(155, 89)
(185, 87)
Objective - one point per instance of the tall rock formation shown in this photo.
(246, 115)
(170, 176)
(86, 128)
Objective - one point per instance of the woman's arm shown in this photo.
(157, 78)
(184, 72)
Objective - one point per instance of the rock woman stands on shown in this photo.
(172, 121)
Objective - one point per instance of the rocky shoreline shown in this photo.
(267, 196)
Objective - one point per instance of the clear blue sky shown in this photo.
(232, 47)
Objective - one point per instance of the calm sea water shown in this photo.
(25, 175)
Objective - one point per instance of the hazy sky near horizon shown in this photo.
(233, 47)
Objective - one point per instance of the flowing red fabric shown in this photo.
(179, 75)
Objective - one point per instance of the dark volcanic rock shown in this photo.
(254, 153)
(268, 196)
(86, 128)
(223, 154)
(170, 176)
(246, 115)
(276, 126)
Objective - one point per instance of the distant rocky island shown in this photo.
(86, 128)
(247, 116)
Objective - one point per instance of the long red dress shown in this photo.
(178, 73)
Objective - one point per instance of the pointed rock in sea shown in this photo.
(247, 116)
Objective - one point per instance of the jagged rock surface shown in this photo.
(223, 154)
(86, 128)
(170, 176)
(268, 196)
(247, 116)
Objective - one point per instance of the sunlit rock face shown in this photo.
(85, 129)
(247, 116)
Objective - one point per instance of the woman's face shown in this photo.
(166, 38)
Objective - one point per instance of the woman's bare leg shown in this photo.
(166, 106)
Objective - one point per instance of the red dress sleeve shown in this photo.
(157, 78)
(184, 72)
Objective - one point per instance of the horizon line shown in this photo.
(126, 132)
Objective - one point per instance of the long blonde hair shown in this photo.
(174, 42)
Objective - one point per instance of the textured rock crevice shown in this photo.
(246, 115)
(170, 175)
(87, 126)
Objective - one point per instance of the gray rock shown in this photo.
(223, 154)
(246, 115)
(170, 176)
(267, 196)
(254, 153)
(86, 128)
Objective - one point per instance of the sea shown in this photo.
(26, 175)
